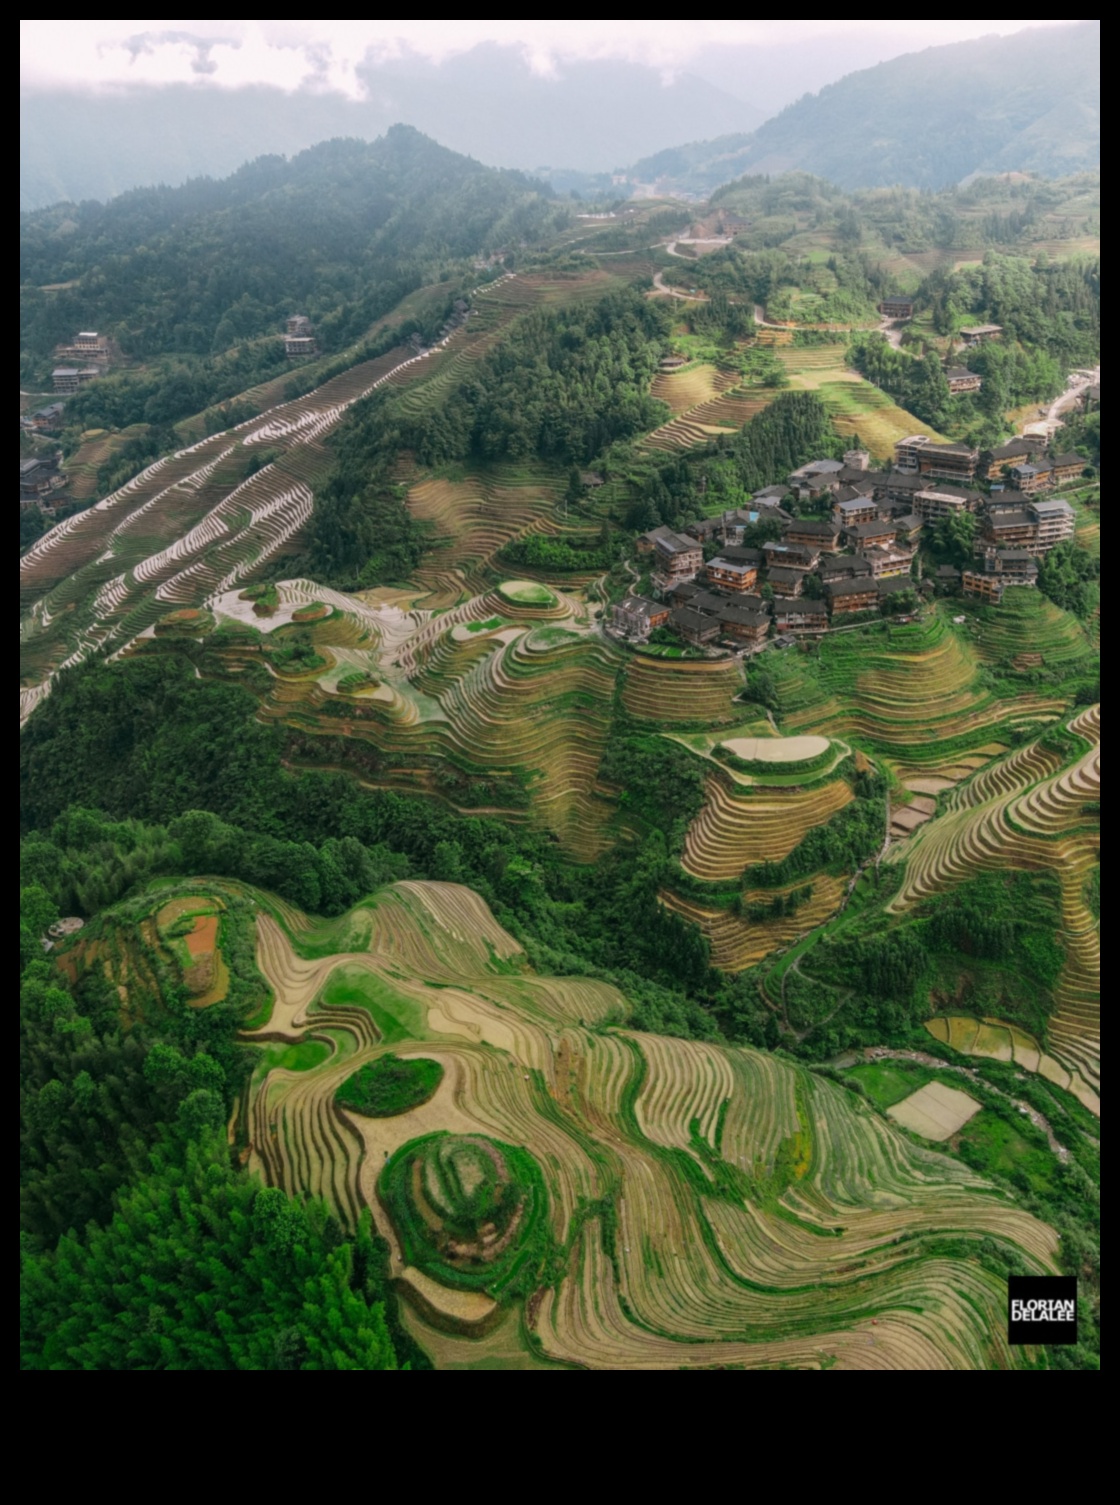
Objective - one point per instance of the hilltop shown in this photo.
(1024, 103)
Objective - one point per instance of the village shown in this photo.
(852, 547)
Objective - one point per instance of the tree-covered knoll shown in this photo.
(1048, 306)
(665, 488)
(341, 232)
(562, 386)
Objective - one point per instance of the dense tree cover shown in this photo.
(1054, 307)
(672, 488)
(388, 1085)
(915, 382)
(361, 532)
(201, 1268)
(543, 552)
(849, 839)
(562, 385)
(1066, 574)
(142, 1246)
(341, 232)
(93, 1094)
(844, 288)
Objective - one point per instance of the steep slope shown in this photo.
(1026, 103)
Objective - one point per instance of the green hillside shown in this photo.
(1025, 103)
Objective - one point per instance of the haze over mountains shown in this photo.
(1029, 102)
(1026, 103)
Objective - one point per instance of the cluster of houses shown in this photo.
(856, 556)
(40, 478)
(83, 359)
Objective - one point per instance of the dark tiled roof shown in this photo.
(802, 607)
(739, 616)
(813, 527)
(862, 585)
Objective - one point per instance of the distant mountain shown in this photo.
(487, 103)
(341, 232)
(1028, 103)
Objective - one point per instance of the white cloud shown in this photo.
(326, 54)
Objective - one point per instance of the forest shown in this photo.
(340, 232)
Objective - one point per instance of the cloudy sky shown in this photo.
(326, 54)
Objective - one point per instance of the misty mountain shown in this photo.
(486, 103)
(1028, 103)
(341, 232)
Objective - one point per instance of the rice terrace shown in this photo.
(560, 784)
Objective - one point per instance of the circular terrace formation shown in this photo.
(526, 593)
(470, 1211)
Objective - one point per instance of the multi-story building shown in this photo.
(982, 586)
(1054, 521)
(879, 534)
(814, 533)
(935, 502)
(1010, 527)
(801, 616)
(731, 575)
(1017, 565)
(676, 558)
(859, 509)
(897, 308)
(744, 625)
(844, 596)
(1067, 467)
(794, 556)
(951, 462)
(994, 462)
(637, 616)
(786, 582)
(979, 334)
(888, 562)
(1029, 479)
(694, 626)
(67, 379)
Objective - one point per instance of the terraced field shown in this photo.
(499, 704)
(914, 694)
(857, 407)
(738, 827)
(669, 690)
(471, 521)
(188, 527)
(1032, 811)
(738, 943)
(197, 522)
(706, 1205)
(996, 1040)
(1025, 631)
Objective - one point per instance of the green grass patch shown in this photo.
(388, 1086)
(396, 1017)
(995, 1147)
(303, 1055)
(526, 593)
(888, 1082)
